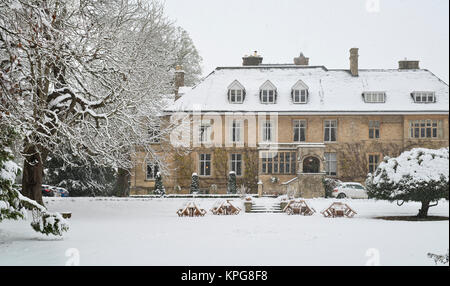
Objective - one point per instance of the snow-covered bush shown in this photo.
(330, 184)
(439, 259)
(418, 175)
(195, 184)
(159, 187)
(231, 186)
(13, 205)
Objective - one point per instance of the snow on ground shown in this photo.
(132, 231)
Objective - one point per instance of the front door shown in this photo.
(311, 165)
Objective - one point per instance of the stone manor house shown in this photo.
(284, 127)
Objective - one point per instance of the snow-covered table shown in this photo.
(338, 209)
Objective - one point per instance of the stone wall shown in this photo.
(353, 132)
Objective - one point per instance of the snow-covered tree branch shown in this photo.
(84, 78)
(417, 175)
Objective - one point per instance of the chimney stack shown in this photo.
(354, 61)
(179, 79)
(408, 65)
(252, 60)
(301, 60)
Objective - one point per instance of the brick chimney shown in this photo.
(354, 61)
(301, 60)
(408, 65)
(179, 80)
(252, 60)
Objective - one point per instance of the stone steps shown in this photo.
(272, 208)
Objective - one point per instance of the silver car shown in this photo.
(350, 190)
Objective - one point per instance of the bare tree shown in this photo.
(91, 76)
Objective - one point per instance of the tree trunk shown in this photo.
(123, 186)
(32, 176)
(423, 212)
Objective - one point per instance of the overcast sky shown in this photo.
(385, 31)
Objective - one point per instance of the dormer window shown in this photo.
(236, 92)
(268, 93)
(299, 92)
(374, 97)
(424, 96)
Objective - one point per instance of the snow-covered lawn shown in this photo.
(112, 231)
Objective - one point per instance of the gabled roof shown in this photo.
(267, 85)
(330, 91)
(300, 85)
(236, 85)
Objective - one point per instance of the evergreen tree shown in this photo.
(231, 186)
(80, 178)
(159, 187)
(195, 184)
(420, 175)
(13, 205)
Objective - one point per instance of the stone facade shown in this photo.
(352, 148)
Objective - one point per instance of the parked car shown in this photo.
(60, 192)
(47, 191)
(350, 190)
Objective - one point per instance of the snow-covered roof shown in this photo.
(329, 90)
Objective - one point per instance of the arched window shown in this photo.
(311, 165)
(236, 92)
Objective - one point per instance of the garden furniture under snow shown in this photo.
(190, 209)
(338, 209)
(298, 207)
(222, 207)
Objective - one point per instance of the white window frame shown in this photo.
(235, 160)
(152, 165)
(204, 133)
(236, 95)
(419, 129)
(373, 164)
(374, 97)
(266, 96)
(300, 96)
(267, 128)
(297, 124)
(237, 128)
(374, 125)
(203, 162)
(424, 96)
(328, 129)
(330, 164)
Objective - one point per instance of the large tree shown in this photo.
(12, 204)
(420, 175)
(80, 178)
(185, 54)
(88, 76)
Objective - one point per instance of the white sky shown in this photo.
(324, 30)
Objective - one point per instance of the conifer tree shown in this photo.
(195, 184)
(159, 187)
(231, 186)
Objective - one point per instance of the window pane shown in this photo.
(333, 134)
(302, 135)
(296, 134)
